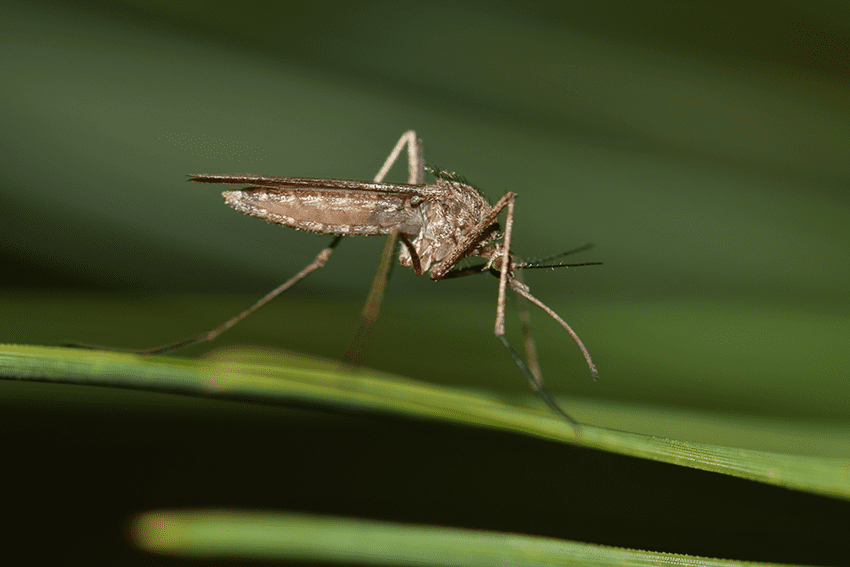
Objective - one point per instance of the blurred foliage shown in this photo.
(264, 376)
(214, 534)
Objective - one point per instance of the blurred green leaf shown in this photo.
(254, 535)
(268, 377)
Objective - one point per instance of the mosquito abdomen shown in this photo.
(329, 212)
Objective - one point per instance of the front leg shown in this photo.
(503, 257)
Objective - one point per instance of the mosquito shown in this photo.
(438, 224)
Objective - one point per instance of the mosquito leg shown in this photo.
(210, 335)
(538, 387)
(505, 269)
(414, 255)
(415, 161)
(534, 378)
(523, 290)
(372, 307)
(527, 338)
(532, 369)
(445, 267)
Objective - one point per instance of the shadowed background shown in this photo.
(701, 147)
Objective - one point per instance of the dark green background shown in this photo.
(701, 146)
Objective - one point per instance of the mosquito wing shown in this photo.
(327, 206)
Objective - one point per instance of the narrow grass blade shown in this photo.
(261, 377)
(321, 539)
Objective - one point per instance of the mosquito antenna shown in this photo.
(533, 265)
(582, 248)
(523, 291)
(547, 261)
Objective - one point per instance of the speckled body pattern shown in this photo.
(436, 215)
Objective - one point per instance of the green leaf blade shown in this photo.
(266, 377)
